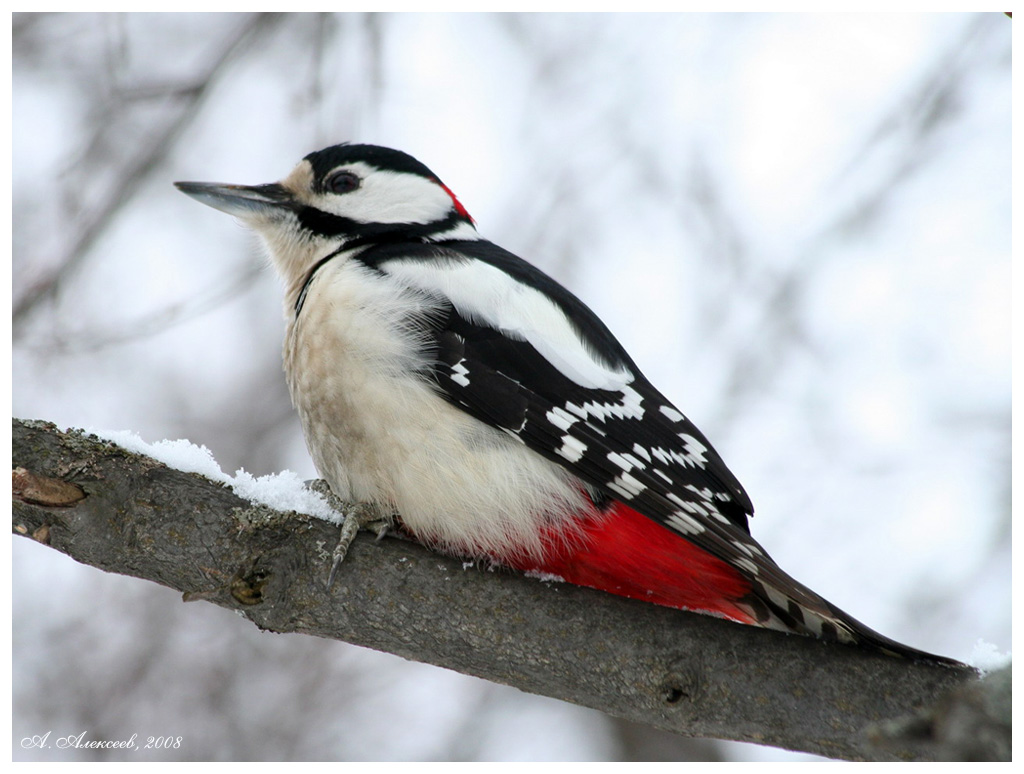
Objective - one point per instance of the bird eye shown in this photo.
(342, 182)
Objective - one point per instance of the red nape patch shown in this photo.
(458, 205)
(623, 552)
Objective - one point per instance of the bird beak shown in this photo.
(242, 201)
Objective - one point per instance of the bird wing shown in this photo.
(521, 353)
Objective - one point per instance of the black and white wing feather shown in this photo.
(521, 353)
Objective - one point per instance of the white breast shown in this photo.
(378, 432)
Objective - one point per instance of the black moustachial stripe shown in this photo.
(325, 224)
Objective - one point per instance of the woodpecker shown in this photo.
(441, 378)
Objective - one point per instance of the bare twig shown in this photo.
(135, 173)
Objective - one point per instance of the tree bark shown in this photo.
(691, 674)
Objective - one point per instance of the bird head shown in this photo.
(340, 198)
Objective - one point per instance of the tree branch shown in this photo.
(687, 673)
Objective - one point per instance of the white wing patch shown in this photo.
(626, 486)
(630, 408)
(685, 523)
(694, 453)
(572, 449)
(460, 374)
(485, 295)
(561, 418)
(672, 413)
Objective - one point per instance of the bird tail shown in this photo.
(792, 607)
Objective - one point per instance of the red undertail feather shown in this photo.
(625, 553)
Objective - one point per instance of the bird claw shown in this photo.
(357, 516)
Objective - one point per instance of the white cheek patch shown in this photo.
(485, 295)
(384, 196)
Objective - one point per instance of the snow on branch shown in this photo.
(122, 512)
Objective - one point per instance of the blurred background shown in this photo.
(799, 226)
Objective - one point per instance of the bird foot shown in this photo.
(355, 516)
